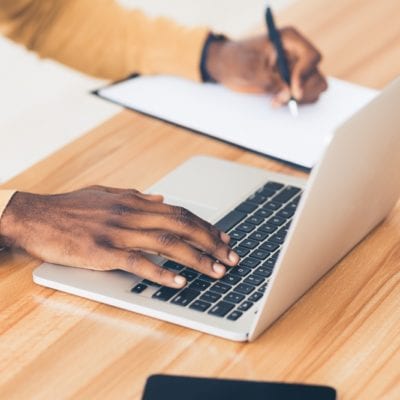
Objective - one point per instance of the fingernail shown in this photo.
(275, 103)
(219, 268)
(297, 93)
(233, 257)
(159, 197)
(284, 96)
(180, 280)
(225, 237)
(154, 195)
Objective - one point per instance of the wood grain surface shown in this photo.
(344, 332)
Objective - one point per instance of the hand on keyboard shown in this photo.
(104, 228)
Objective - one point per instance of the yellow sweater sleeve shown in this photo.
(5, 197)
(103, 39)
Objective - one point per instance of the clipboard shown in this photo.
(244, 120)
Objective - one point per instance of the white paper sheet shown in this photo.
(246, 120)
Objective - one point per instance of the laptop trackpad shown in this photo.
(203, 211)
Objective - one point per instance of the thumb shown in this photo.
(282, 97)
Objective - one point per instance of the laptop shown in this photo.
(288, 232)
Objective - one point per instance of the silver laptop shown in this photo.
(288, 232)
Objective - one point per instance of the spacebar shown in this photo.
(230, 220)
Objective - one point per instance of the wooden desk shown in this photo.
(344, 332)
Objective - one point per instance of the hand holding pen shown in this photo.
(251, 65)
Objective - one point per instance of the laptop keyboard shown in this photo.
(257, 228)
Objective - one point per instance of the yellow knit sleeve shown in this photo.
(5, 197)
(103, 39)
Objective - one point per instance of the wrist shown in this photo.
(211, 56)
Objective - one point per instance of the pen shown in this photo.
(283, 68)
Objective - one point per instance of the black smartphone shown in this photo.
(169, 387)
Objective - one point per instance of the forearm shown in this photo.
(102, 38)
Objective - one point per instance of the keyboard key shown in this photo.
(246, 305)
(270, 263)
(246, 207)
(185, 297)
(234, 315)
(139, 288)
(220, 287)
(173, 266)
(286, 194)
(284, 230)
(294, 203)
(230, 279)
(199, 284)
(286, 213)
(241, 251)
(241, 271)
(267, 228)
(200, 305)
(272, 205)
(210, 297)
(255, 220)
(233, 297)
(237, 235)
(263, 213)
(266, 192)
(276, 221)
(249, 262)
(206, 278)
(230, 220)
(259, 236)
(165, 293)
(233, 243)
(221, 309)
(150, 283)
(246, 227)
(254, 280)
(277, 238)
(262, 288)
(257, 198)
(260, 254)
(244, 288)
(255, 296)
(189, 274)
(249, 243)
(269, 246)
(263, 271)
(275, 186)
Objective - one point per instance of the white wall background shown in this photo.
(44, 105)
